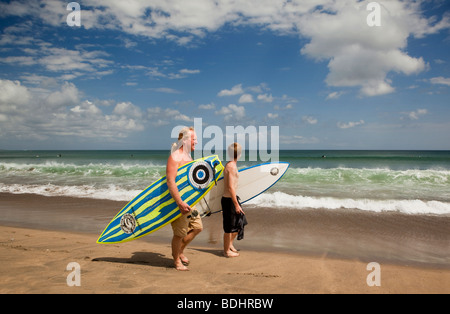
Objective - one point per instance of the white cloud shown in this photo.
(41, 114)
(337, 32)
(70, 63)
(207, 107)
(232, 111)
(272, 115)
(360, 55)
(166, 90)
(127, 109)
(415, 115)
(440, 80)
(265, 98)
(67, 96)
(246, 98)
(12, 94)
(334, 95)
(187, 71)
(158, 116)
(309, 119)
(235, 90)
(349, 125)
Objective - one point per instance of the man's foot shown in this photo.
(233, 249)
(230, 253)
(184, 260)
(179, 266)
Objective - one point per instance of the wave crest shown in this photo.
(282, 200)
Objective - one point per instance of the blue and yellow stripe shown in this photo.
(154, 207)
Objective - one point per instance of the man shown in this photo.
(184, 229)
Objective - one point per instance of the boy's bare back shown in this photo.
(231, 177)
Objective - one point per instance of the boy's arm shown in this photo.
(232, 175)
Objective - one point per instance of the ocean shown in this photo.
(409, 182)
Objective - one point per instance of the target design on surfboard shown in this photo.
(200, 175)
(128, 223)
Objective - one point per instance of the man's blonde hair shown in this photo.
(183, 135)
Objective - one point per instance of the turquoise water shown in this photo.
(413, 182)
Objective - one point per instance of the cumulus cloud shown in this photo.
(336, 32)
(265, 98)
(309, 120)
(207, 106)
(343, 125)
(246, 98)
(440, 80)
(232, 112)
(67, 96)
(415, 115)
(12, 94)
(30, 114)
(66, 62)
(357, 55)
(360, 55)
(235, 90)
(158, 116)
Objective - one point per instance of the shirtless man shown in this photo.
(231, 209)
(184, 229)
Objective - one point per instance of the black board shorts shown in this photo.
(230, 218)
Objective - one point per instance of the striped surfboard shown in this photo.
(154, 207)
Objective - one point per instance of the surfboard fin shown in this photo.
(216, 163)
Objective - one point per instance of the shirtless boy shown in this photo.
(231, 209)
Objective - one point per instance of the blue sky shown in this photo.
(134, 70)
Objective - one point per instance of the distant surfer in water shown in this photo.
(185, 228)
(233, 216)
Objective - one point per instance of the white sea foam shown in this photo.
(283, 200)
(84, 191)
(278, 200)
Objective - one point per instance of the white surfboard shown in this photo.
(252, 182)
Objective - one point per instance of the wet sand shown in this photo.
(282, 252)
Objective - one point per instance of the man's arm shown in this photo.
(171, 174)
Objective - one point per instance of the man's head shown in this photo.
(187, 138)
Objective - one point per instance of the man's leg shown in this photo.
(177, 243)
(185, 241)
(195, 227)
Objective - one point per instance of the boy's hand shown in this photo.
(239, 210)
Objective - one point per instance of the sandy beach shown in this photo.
(35, 254)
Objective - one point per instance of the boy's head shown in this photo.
(234, 151)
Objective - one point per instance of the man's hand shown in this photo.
(184, 208)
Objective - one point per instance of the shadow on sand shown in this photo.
(140, 258)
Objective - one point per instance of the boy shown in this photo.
(233, 215)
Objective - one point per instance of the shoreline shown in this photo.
(395, 238)
(36, 261)
(316, 252)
